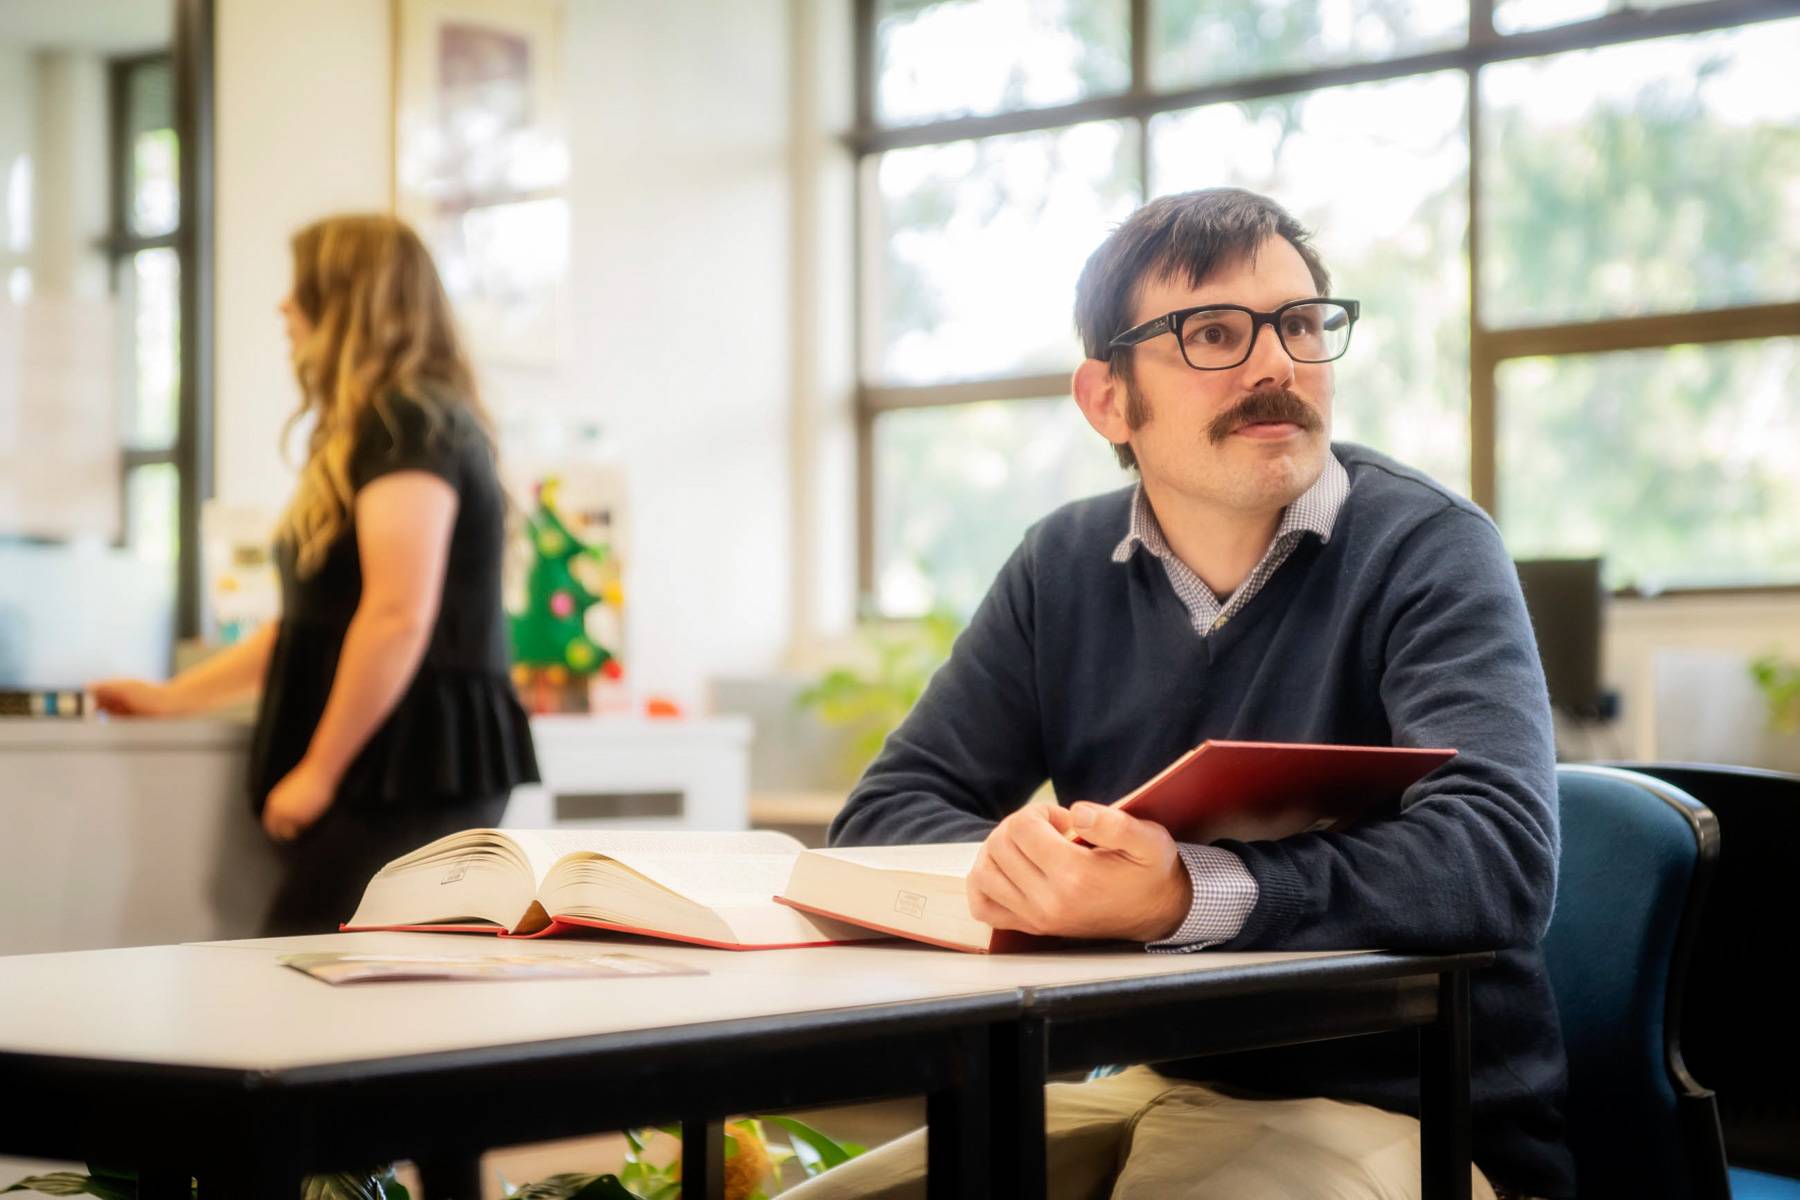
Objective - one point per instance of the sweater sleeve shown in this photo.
(971, 750)
(1469, 861)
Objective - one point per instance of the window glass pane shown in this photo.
(958, 58)
(957, 487)
(153, 194)
(1205, 41)
(1652, 177)
(1518, 16)
(152, 496)
(155, 290)
(979, 246)
(1681, 466)
(1399, 248)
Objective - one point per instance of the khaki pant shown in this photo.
(1143, 1136)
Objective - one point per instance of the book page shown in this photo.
(712, 869)
(470, 843)
(914, 891)
(946, 858)
(478, 873)
(779, 925)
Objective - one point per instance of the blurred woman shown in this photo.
(387, 716)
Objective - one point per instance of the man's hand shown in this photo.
(1128, 883)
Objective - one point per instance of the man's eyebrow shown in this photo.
(1271, 308)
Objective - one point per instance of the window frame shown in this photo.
(1488, 347)
(189, 59)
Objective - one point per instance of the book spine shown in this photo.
(33, 702)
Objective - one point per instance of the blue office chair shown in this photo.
(1637, 857)
(1737, 1012)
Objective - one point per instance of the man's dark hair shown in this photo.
(1185, 236)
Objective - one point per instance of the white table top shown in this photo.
(231, 1005)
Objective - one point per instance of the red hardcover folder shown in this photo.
(1272, 789)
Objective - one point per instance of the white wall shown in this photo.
(682, 232)
(680, 240)
(823, 424)
(69, 178)
(304, 128)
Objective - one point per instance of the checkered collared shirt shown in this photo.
(1224, 889)
(1314, 512)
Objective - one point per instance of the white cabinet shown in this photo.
(127, 833)
(641, 772)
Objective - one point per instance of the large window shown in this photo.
(1574, 227)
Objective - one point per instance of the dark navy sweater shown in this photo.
(1406, 628)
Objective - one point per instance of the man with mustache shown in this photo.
(1258, 583)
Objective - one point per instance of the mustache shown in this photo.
(1269, 404)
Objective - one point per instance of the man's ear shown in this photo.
(1101, 397)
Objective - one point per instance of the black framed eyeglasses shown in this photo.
(1217, 337)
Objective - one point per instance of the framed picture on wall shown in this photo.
(481, 166)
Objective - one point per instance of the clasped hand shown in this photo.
(1129, 882)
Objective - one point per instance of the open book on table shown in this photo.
(711, 889)
(1246, 791)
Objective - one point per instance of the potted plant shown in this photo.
(872, 697)
(753, 1165)
(1779, 682)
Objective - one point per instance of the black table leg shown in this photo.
(164, 1183)
(450, 1176)
(1444, 1092)
(702, 1159)
(1020, 1064)
(956, 1123)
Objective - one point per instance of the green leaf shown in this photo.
(574, 1186)
(668, 1191)
(829, 1152)
(342, 1185)
(62, 1183)
(605, 1187)
(731, 1147)
(554, 1187)
(809, 1159)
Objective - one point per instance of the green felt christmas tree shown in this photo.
(568, 591)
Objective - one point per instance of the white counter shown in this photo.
(127, 833)
(139, 832)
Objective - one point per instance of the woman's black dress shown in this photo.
(456, 742)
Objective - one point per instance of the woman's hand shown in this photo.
(134, 698)
(297, 802)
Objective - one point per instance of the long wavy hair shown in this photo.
(381, 327)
